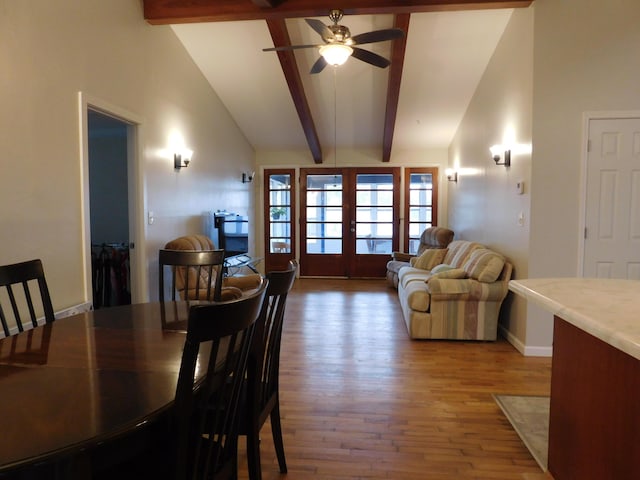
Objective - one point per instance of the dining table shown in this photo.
(88, 390)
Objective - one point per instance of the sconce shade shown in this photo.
(336, 53)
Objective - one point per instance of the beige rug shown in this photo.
(529, 416)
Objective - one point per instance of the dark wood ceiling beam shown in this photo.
(280, 36)
(159, 12)
(398, 49)
(266, 3)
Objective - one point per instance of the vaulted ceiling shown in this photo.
(414, 104)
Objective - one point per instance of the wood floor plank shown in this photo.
(360, 400)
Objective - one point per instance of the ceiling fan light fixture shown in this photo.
(336, 53)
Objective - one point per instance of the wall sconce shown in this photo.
(247, 177)
(182, 160)
(452, 176)
(497, 154)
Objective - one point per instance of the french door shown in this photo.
(280, 207)
(348, 221)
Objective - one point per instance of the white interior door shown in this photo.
(612, 210)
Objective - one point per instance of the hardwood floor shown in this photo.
(360, 400)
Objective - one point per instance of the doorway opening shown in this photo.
(109, 210)
(111, 203)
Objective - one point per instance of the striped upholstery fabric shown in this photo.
(428, 259)
(232, 287)
(431, 238)
(458, 252)
(484, 265)
(461, 309)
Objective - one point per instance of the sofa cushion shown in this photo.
(409, 274)
(458, 252)
(441, 268)
(429, 258)
(455, 273)
(484, 265)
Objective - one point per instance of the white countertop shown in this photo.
(608, 309)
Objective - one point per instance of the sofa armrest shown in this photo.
(401, 256)
(495, 291)
(450, 289)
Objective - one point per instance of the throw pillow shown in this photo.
(442, 268)
(484, 265)
(429, 258)
(455, 273)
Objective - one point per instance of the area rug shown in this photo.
(529, 416)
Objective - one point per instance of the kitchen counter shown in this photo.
(594, 420)
(608, 309)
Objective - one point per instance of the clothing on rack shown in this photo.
(110, 274)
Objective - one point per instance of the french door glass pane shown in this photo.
(420, 207)
(374, 213)
(280, 213)
(324, 214)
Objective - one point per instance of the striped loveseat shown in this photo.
(454, 293)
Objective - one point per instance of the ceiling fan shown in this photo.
(339, 45)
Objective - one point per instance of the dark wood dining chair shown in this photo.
(195, 275)
(27, 274)
(205, 422)
(261, 397)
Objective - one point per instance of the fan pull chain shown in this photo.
(335, 117)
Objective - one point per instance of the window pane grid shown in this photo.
(419, 207)
(280, 213)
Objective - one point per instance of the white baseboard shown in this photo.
(67, 312)
(81, 308)
(526, 350)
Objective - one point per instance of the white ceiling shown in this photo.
(446, 55)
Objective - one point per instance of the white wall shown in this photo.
(483, 205)
(585, 59)
(50, 51)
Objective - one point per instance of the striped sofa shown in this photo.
(454, 293)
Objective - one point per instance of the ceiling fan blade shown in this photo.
(378, 36)
(288, 47)
(320, 28)
(319, 65)
(370, 57)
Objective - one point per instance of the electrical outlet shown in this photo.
(150, 218)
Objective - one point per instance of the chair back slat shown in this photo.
(265, 349)
(205, 423)
(260, 394)
(195, 275)
(27, 275)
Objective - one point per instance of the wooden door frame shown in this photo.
(278, 261)
(138, 255)
(343, 265)
(435, 172)
(338, 266)
(395, 242)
